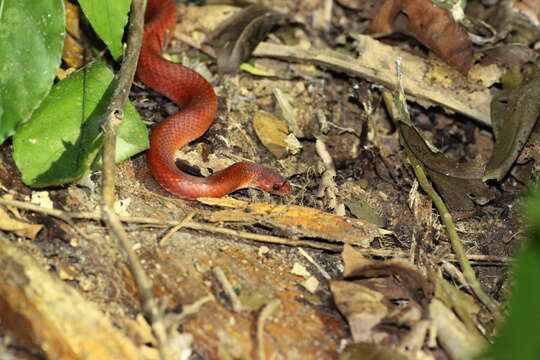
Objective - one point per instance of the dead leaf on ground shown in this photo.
(236, 38)
(383, 302)
(20, 228)
(518, 21)
(431, 24)
(272, 132)
(515, 114)
(460, 184)
(296, 221)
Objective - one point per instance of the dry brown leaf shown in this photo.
(515, 115)
(236, 38)
(272, 132)
(20, 228)
(381, 299)
(297, 221)
(432, 25)
(460, 184)
(73, 52)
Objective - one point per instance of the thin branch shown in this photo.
(266, 312)
(176, 228)
(478, 259)
(228, 288)
(113, 120)
(457, 246)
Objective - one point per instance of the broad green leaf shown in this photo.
(108, 18)
(519, 337)
(31, 40)
(62, 139)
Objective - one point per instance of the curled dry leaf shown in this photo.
(431, 24)
(381, 299)
(20, 228)
(375, 62)
(514, 115)
(236, 38)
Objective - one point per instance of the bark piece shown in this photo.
(45, 314)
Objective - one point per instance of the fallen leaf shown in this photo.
(515, 114)
(362, 307)
(272, 133)
(363, 210)
(432, 25)
(452, 334)
(19, 228)
(236, 38)
(199, 22)
(380, 300)
(460, 184)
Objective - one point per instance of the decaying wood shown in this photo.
(44, 313)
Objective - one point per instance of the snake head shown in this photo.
(270, 181)
(280, 188)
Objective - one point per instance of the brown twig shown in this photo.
(177, 227)
(228, 288)
(266, 312)
(328, 185)
(112, 121)
(477, 259)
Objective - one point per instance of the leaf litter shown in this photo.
(383, 300)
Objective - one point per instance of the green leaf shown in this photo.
(62, 139)
(108, 18)
(31, 40)
(519, 337)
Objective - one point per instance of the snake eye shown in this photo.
(276, 187)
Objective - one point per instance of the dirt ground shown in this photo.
(372, 174)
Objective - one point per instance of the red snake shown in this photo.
(198, 104)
